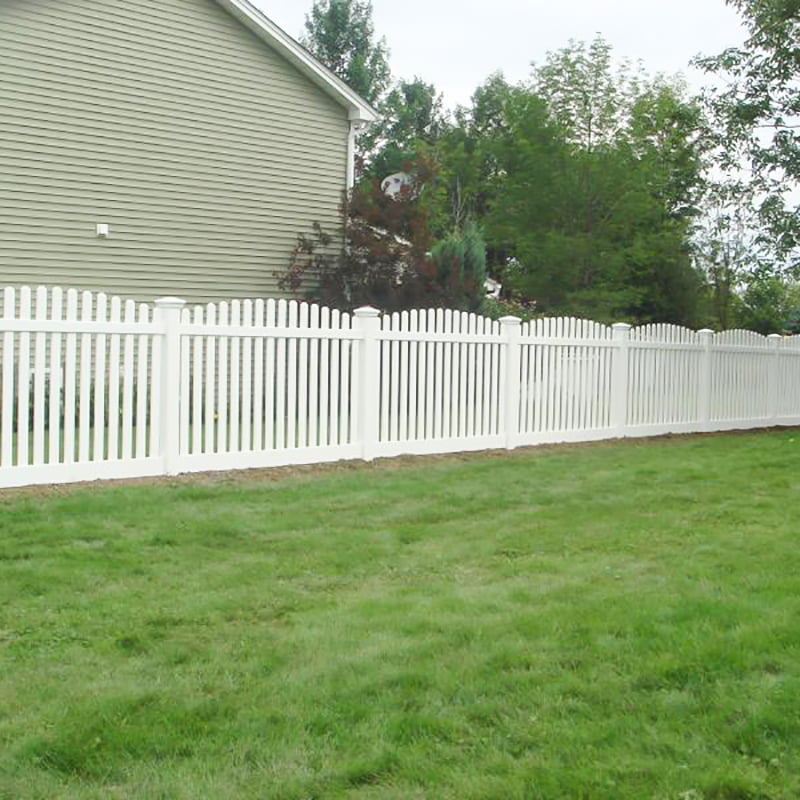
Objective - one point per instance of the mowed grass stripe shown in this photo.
(612, 621)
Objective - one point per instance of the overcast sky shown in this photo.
(456, 45)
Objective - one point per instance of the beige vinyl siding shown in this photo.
(204, 150)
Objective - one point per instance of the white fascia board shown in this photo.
(359, 110)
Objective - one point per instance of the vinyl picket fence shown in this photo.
(94, 387)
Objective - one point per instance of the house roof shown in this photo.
(358, 108)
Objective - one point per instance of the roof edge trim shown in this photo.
(358, 108)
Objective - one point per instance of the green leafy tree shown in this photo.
(597, 175)
(727, 251)
(469, 171)
(757, 114)
(526, 167)
(412, 120)
(791, 324)
(769, 303)
(586, 93)
(341, 34)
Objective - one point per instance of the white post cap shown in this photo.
(367, 311)
(170, 302)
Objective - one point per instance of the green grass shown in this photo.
(612, 621)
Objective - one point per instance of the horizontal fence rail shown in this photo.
(96, 387)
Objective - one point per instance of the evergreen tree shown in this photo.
(460, 268)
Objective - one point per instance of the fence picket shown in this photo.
(56, 379)
(324, 379)
(468, 347)
(411, 430)
(142, 385)
(313, 379)
(196, 345)
(39, 375)
(480, 377)
(302, 379)
(23, 379)
(7, 389)
(70, 378)
(347, 432)
(550, 376)
(223, 407)
(259, 391)
(281, 383)
(336, 324)
(234, 407)
(427, 320)
(270, 382)
(291, 377)
(462, 354)
(113, 381)
(154, 385)
(405, 383)
(84, 391)
(128, 382)
(394, 391)
(385, 369)
(211, 382)
(247, 380)
(444, 324)
(98, 448)
(352, 381)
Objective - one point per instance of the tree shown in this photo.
(381, 263)
(727, 251)
(586, 94)
(411, 118)
(769, 304)
(341, 34)
(469, 171)
(460, 268)
(757, 114)
(598, 172)
(722, 253)
(389, 259)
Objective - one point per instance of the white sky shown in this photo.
(457, 44)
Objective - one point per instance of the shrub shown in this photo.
(383, 259)
(510, 307)
(460, 267)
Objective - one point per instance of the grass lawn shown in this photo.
(610, 621)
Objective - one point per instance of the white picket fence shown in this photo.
(93, 387)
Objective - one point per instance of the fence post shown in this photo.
(168, 315)
(774, 340)
(704, 400)
(369, 379)
(511, 328)
(619, 378)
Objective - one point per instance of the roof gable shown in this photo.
(299, 57)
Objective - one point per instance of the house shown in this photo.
(163, 147)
